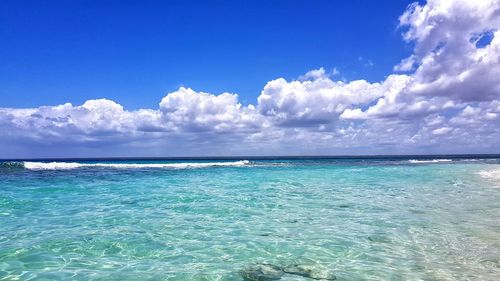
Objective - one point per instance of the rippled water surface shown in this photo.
(347, 219)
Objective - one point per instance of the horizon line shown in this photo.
(263, 157)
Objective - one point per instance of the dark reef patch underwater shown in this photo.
(269, 272)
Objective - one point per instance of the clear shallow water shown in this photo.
(352, 219)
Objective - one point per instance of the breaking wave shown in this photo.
(75, 165)
(429, 161)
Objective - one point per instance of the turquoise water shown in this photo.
(343, 219)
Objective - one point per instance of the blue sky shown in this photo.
(224, 78)
(134, 52)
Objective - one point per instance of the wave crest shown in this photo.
(75, 165)
(413, 161)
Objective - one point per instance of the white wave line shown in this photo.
(429, 161)
(75, 165)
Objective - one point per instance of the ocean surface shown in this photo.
(347, 218)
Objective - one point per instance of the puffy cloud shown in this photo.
(181, 111)
(447, 100)
(186, 109)
(321, 100)
(450, 67)
(450, 62)
(406, 64)
(95, 120)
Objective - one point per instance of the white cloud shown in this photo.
(407, 64)
(442, 131)
(314, 74)
(186, 109)
(321, 100)
(448, 100)
(450, 64)
(451, 69)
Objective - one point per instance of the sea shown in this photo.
(246, 218)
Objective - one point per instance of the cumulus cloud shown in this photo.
(407, 64)
(188, 110)
(321, 100)
(445, 98)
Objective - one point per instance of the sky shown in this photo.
(228, 78)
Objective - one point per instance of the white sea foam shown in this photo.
(75, 165)
(429, 161)
(491, 175)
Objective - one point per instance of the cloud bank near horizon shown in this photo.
(444, 98)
